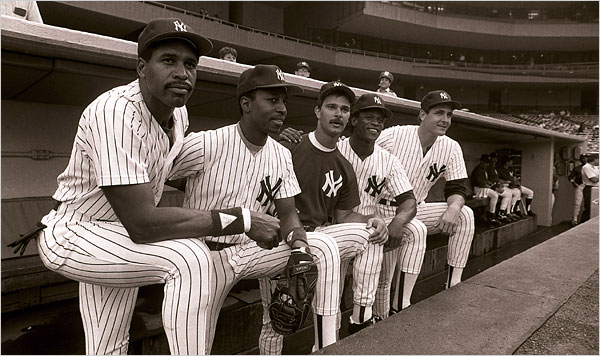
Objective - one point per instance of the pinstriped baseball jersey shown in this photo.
(224, 170)
(117, 136)
(444, 158)
(379, 173)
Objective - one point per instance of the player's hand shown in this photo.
(380, 235)
(395, 235)
(449, 220)
(292, 135)
(264, 230)
(575, 185)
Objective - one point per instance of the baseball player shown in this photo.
(590, 177)
(378, 173)
(240, 165)
(385, 80)
(508, 196)
(427, 154)
(507, 176)
(107, 232)
(329, 193)
(482, 187)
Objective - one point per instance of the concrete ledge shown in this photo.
(493, 312)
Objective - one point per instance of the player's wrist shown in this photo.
(230, 221)
(296, 237)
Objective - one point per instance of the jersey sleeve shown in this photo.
(190, 160)
(398, 181)
(386, 139)
(114, 142)
(456, 166)
(290, 186)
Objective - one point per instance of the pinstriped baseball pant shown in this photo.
(352, 239)
(249, 261)
(110, 267)
(408, 257)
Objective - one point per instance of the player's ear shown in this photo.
(245, 104)
(140, 67)
(318, 112)
(353, 120)
(421, 114)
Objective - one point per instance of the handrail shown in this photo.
(518, 68)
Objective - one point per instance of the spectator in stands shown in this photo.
(385, 80)
(228, 54)
(589, 175)
(577, 182)
(482, 187)
(508, 197)
(555, 186)
(507, 175)
(27, 10)
(303, 69)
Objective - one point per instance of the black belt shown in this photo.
(388, 202)
(217, 246)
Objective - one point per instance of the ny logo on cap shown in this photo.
(386, 73)
(377, 100)
(444, 96)
(279, 74)
(180, 26)
(337, 84)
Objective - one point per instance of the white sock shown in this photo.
(409, 284)
(456, 275)
(356, 312)
(329, 333)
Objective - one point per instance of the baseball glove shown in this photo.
(293, 293)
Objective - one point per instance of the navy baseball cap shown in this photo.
(370, 101)
(263, 76)
(437, 97)
(172, 28)
(335, 87)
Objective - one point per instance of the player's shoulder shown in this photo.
(400, 130)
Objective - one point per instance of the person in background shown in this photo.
(577, 182)
(589, 175)
(303, 69)
(385, 80)
(228, 54)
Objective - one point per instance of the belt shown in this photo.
(217, 246)
(388, 202)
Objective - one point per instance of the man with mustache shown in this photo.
(329, 193)
(427, 154)
(106, 230)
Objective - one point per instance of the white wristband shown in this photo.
(247, 219)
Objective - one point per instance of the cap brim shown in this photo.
(202, 44)
(388, 112)
(341, 89)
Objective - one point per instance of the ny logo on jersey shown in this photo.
(377, 100)
(279, 74)
(373, 188)
(267, 191)
(444, 95)
(331, 185)
(180, 26)
(434, 173)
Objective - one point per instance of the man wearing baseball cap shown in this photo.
(302, 69)
(241, 165)
(427, 154)
(329, 193)
(107, 232)
(381, 180)
(385, 80)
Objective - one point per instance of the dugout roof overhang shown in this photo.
(56, 65)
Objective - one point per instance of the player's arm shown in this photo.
(589, 174)
(145, 222)
(292, 230)
(405, 212)
(379, 236)
(455, 192)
